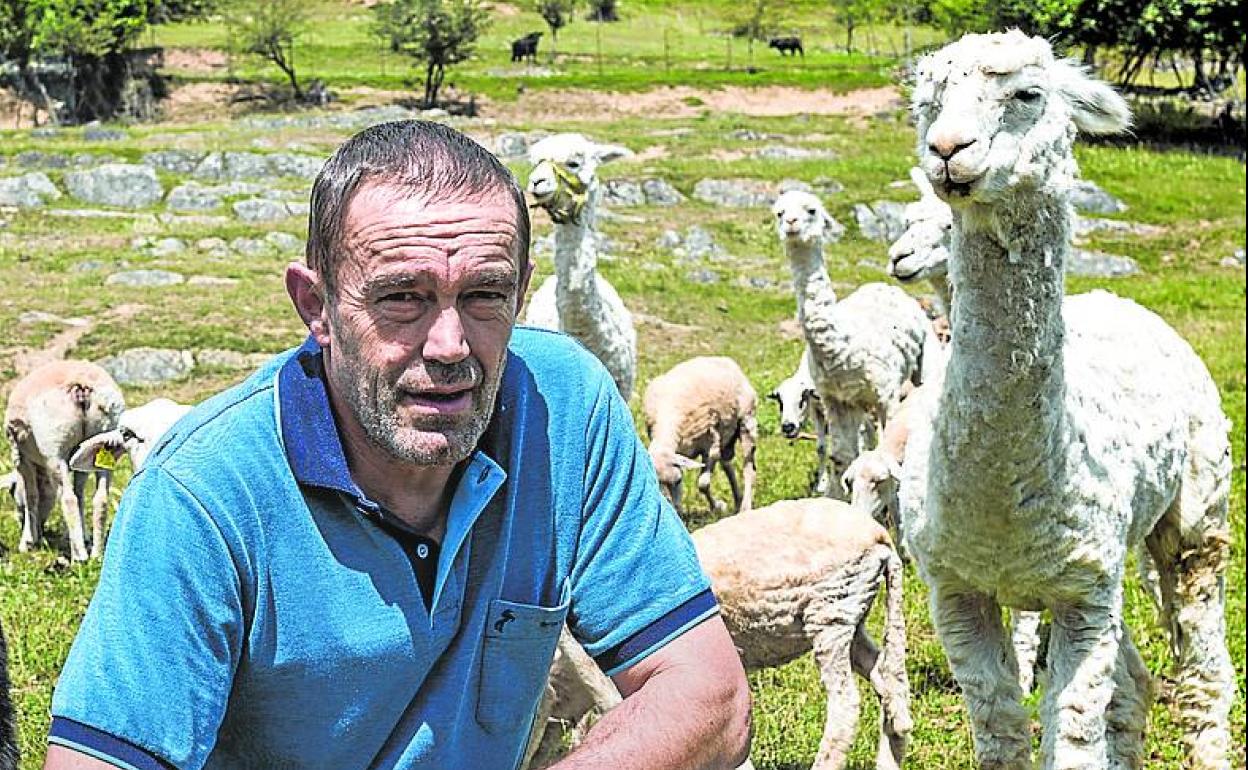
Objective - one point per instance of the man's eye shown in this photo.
(400, 296)
(487, 296)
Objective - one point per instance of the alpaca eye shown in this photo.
(1027, 95)
(810, 211)
(574, 164)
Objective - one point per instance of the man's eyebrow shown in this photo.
(487, 279)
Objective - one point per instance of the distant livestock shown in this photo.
(525, 47)
(785, 45)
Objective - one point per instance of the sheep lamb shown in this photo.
(50, 412)
(696, 414)
(792, 577)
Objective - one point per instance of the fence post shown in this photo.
(667, 60)
(598, 44)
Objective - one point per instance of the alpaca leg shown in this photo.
(970, 629)
(1083, 655)
(1026, 640)
(1191, 568)
(1128, 708)
(72, 488)
(99, 510)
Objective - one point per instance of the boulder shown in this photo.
(144, 278)
(123, 185)
(27, 191)
(1087, 196)
(148, 366)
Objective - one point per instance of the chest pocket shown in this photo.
(518, 647)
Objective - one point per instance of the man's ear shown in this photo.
(306, 291)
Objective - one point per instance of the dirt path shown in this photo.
(26, 359)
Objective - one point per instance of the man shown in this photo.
(362, 556)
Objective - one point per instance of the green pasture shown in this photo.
(1197, 200)
(653, 44)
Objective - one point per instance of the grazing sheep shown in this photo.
(8, 732)
(1067, 430)
(136, 434)
(791, 44)
(525, 47)
(564, 181)
(791, 577)
(866, 348)
(50, 412)
(921, 253)
(696, 414)
(840, 434)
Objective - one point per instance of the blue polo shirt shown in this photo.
(256, 610)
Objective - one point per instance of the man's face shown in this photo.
(426, 296)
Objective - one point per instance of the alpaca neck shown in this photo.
(811, 284)
(575, 262)
(1002, 408)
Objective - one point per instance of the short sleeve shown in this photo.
(151, 667)
(636, 581)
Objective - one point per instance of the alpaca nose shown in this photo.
(948, 146)
(788, 429)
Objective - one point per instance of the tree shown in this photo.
(170, 11)
(557, 13)
(269, 29)
(752, 28)
(439, 33)
(75, 48)
(603, 10)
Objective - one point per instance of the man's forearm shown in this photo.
(685, 715)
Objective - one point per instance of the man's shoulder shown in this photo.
(230, 426)
(555, 358)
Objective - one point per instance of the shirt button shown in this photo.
(422, 551)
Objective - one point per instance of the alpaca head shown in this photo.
(802, 220)
(922, 251)
(998, 113)
(564, 173)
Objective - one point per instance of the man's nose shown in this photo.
(446, 342)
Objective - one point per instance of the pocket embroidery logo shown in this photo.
(506, 618)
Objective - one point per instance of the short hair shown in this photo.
(423, 156)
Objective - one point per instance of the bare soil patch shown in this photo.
(686, 102)
(195, 59)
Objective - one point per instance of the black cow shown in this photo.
(791, 45)
(525, 47)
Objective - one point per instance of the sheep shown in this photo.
(922, 251)
(525, 47)
(1066, 431)
(8, 731)
(50, 411)
(840, 434)
(866, 348)
(702, 408)
(791, 44)
(577, 300)
(792, 577)
(136, 434)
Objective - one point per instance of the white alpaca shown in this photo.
(921, 253)
(1063, 433)
(576, 299)
(49, 413)
(865, 348)
(137, 432)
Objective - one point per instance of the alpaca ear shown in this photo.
(604, 153)
(922, 182)
(1095, 106)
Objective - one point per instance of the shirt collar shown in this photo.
(313, 446)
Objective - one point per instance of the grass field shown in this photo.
(1198, 202)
